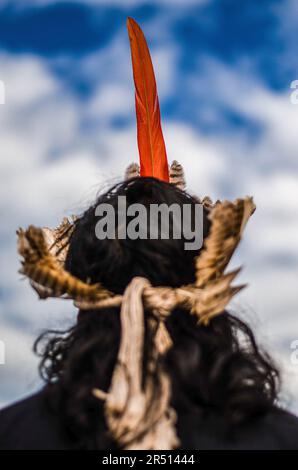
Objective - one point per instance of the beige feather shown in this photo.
(132, 171)
(47, 275)
(228, 220)
(177, 175)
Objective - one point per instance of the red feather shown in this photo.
(152, 150)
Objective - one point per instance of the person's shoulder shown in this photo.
(275, 430)
(10, 415)
(283, 425)
(18, 405)
(29, 424)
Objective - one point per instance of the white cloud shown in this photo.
(110, 100)
(17, 374)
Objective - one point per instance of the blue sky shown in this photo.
(224, 70)
(260, 39)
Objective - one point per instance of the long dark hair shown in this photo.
(215, 369)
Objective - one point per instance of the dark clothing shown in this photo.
(29, 424)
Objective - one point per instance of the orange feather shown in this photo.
(152, 150)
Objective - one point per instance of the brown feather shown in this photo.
(47, 274)
(177, 175)
(228, 220)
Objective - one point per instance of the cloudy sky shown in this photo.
(67, 129)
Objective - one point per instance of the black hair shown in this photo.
(213, 369)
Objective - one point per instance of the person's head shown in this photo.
(114, 262)
(216, 368)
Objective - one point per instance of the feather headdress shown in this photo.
(139, 416)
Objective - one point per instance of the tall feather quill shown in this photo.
(152, 150)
